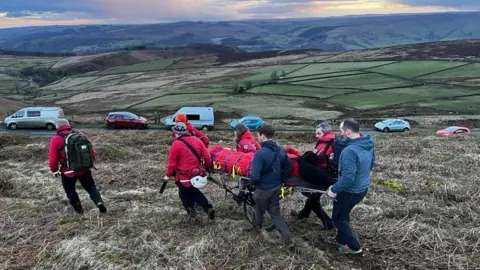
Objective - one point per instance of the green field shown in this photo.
(263, 74)
(411, 69)
(335, 67)
(378, 99)
(363, 81)
(142, 67)
(469, 105)
(278, 107)
(469, 71)
(285, 89)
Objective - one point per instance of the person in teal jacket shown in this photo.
(355, 164)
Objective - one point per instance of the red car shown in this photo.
(125, 120)
(454, 131)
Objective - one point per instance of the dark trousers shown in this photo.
(191, 195)
(87, 183)
(341, 217)
(313, 204)
(269, 201)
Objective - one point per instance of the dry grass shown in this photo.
(430, 222)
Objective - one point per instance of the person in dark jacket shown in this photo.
(57, 156)
(270, 166)
(355, 164)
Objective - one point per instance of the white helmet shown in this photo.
(199, 182)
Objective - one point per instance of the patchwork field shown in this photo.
(333, 89)
(421, 211)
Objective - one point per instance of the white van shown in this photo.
(34, 117)
(199, 117)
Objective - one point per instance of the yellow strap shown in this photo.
(233, 171)
(282, 192)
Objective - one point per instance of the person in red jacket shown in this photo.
(325, 138)
(182, 118)
(244, 140)
(184, 164)
(323, 149)
(56, 157)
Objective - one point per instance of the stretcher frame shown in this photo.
(244, 197)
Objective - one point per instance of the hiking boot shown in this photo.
(101, 207)
(344, 250)
(288, 244)
(191, 212)
(270, 228)
(211, 213)
(332, 240)
(78, 208)
(252, 229)
(298, 215)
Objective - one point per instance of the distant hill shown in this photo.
(339, 33)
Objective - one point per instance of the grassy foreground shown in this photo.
(422, 212)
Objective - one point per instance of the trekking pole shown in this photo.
(164, 185)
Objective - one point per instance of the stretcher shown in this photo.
(242, 191)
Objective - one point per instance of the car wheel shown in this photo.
(50, 126)
(386, 130)
(406, 129)
(139, 126)
(13, 126)
(110, 126)
(204, 128)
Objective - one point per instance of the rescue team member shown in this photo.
(323, 149)
(244, 140)
(270, 166)
(184, 163)
(182, 118)
(355, 165)
(57, 156)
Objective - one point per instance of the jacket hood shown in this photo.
(366, 142)
(270, 144)
(247, 135)
(64, 128)
(328, 136)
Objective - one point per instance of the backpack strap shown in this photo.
(191, 149)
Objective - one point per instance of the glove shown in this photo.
(330, 193)
(56, 174)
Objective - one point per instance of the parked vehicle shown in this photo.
(34, 117)
(454, 131)
(125, 120)
(389, 125)
(251, 121)
(200, 117)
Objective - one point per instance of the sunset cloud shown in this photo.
(45, 12)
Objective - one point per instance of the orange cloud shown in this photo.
(10, 22)
(370, 7)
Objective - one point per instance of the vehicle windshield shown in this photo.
(133, 116)
(451, 129)
(241, 120)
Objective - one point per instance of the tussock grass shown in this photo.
(432, 223)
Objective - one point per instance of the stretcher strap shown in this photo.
(225, 161)
(282, 191)
(235, 164)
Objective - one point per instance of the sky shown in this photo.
(15, 13)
